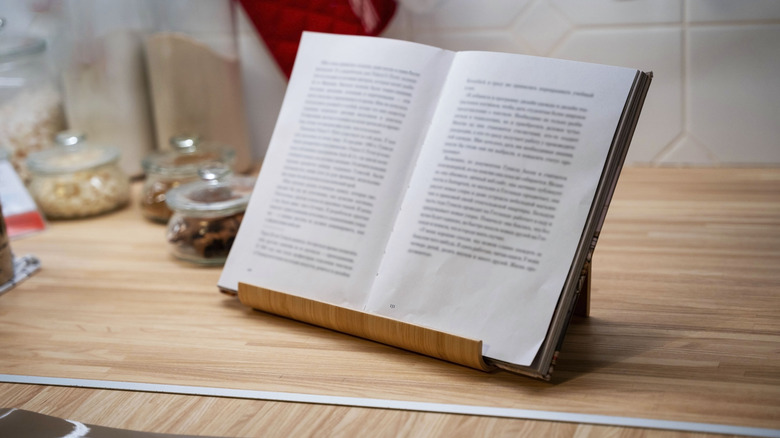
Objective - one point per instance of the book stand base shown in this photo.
(441, 345)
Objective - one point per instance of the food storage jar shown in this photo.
(207, 214)
(168, 169)
(104, 80)
(77, 179)
(30, 102)
(194, 71)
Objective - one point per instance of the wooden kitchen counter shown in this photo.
(684, 327)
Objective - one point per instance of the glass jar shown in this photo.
(207, 214)
(169, 169)
(76, 179)
(104, 79)
(30, 103)
(194, 71)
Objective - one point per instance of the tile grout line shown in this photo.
(443, 408)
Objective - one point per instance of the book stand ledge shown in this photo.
(434, 343)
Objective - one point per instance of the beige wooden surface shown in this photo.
(455, 349)
(684, 326)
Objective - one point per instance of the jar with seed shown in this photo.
(76, 179)
(169, 169)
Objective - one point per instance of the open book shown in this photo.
(458, 191)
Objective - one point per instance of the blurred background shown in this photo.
(715, 99)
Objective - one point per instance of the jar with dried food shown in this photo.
(207, 214)
(76, 179)
(169, 169)
(30, 102)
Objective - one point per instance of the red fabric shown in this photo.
(280, 23)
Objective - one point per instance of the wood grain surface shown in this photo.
(684, 326)
(434, 343)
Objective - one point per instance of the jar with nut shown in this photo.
(77, 179)
(169, 169)
(207, 214)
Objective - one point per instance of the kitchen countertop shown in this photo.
(684, 334)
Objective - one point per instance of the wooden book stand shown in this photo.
(445, 346)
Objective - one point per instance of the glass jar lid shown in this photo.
(71, 153)
(188, 154)
(218, 193)
(18, 46)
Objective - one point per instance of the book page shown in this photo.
(349, 129)
(499, 199)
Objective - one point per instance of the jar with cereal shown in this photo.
(207, 214)
(76, 179)
(168, 169)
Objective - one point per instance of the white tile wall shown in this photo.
(656, 48)
(734, 90)
(620, 12)
(732, 11)
(715, 99)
